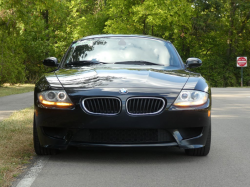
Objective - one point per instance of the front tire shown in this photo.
(37, 146)
(203, 151)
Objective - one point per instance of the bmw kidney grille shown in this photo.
(134, 105)
(102, 105)
(145, 105)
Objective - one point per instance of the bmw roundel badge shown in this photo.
(123, 91)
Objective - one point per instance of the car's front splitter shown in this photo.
(190, 143)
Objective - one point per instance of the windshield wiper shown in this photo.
(83, 63)
(138, 63)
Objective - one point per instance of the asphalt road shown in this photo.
(11, 103)
(228, 163)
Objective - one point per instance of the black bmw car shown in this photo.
(122, 91)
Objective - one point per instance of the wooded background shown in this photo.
(216, 31)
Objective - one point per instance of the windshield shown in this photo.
(123, 50)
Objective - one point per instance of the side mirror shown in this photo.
(51, 62)
(193, 62)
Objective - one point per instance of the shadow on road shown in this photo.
(123, 156)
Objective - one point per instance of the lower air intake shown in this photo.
(123, 136)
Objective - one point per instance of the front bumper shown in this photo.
(58, 129)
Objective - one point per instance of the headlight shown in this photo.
(55, 98)
(191, 98)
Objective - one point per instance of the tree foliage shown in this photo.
(217, 31)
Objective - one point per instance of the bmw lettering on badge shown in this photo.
(85, 100)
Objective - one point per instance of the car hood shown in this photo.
(121, 77)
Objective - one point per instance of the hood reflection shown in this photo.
(110, 77)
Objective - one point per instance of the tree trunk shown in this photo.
(45, 15)
(144, 26)
(230, 33)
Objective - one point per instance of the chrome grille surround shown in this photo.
(99, 105)
(153, 102)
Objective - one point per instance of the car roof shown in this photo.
(121, 35)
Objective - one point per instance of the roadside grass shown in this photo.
(7, 89)
(16, 145)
